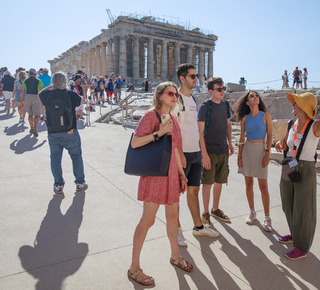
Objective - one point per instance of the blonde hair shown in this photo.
(22, 75)
(156, 103)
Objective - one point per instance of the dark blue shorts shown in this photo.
(193, 168)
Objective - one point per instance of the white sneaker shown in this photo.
(181, 239)
(267, 225)
(205, 232)
(251, 217)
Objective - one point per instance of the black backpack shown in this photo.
(59, 111)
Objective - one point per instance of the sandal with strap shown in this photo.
(187, 267)
(141, 279)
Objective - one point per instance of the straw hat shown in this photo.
(306, 102)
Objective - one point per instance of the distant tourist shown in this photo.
(198, 86)
(118, 84)
(296, 78)
(285, 80)
(7, 84)
(32, 86)
(299, 197)
(46, 80)
(22, 75)
(253, 155)
(60, 104)
(305, 77)
(204, 84)
(242, 81)
(145, 84)
(109, 89)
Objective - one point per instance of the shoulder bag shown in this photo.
(152, 159)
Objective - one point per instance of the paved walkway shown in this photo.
(84, 240)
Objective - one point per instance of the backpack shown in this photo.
(118, 84)
(297, 73)
(59, 112)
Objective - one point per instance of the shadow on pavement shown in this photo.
(56, 253)
(27, 143)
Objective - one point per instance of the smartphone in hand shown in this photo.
(165, 118)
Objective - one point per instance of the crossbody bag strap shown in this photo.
(305, 134)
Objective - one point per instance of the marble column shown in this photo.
(176, 55)
(150, 64)
(110, 57)
(103, 70)
(189, 54)
(123, 57)
(201, 64)
(88, 72)
(210, 64)
(164, 61)
(92, 62)
(135, 58)
(98, 60)
(83, 61)
(78, 62)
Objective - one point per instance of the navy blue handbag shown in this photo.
(152, 159)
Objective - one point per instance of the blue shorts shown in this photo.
(193, 168)
(17, 96)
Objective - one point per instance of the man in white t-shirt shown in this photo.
(190, 153)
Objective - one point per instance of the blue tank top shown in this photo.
(255, 127)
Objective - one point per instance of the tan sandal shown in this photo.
(187, 267)
(141, 279)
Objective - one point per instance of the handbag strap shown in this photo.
(158, 116)
(303, 139)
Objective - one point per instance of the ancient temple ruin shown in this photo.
(136, 48)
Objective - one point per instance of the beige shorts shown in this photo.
(7, 95)
(33, 104)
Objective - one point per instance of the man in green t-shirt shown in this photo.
(32, 86)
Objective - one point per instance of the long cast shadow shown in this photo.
(27, 143)
(56, 253)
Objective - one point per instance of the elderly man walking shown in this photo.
(60, 105)
(32, 86)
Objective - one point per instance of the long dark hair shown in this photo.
(242, 109)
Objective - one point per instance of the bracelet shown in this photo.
(239, 158)
(267, 150)
(183, 177)
(240, 143)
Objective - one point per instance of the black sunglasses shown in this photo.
(193, 76)
(220, 89)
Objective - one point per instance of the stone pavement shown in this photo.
(84, 240)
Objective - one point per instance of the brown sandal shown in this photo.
(141, 279)
(187, 267)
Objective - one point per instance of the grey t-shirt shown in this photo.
(215, 135)
(18, 83)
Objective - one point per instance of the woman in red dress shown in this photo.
(156, 190)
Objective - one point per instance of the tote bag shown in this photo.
(152, 159)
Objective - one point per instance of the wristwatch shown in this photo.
(156, 136)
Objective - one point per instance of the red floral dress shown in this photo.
(160, 189)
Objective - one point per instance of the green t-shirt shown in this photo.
(32, 85)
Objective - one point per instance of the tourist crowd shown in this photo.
(201, 146)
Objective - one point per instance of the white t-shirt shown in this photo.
(188, 124)
(309, 147)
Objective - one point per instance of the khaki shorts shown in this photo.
(219, 169)
(33, 104)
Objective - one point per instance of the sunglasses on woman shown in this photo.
(220, 89)
(172, 94)
(254, 95)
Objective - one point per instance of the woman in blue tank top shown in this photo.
(253, 155)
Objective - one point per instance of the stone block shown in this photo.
(279, 129)
(231, 87)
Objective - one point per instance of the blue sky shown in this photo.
(256, 39)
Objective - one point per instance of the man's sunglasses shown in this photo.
(193, 76)
(172, 94)
(220, 89)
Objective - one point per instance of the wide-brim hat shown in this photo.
(307, 102)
